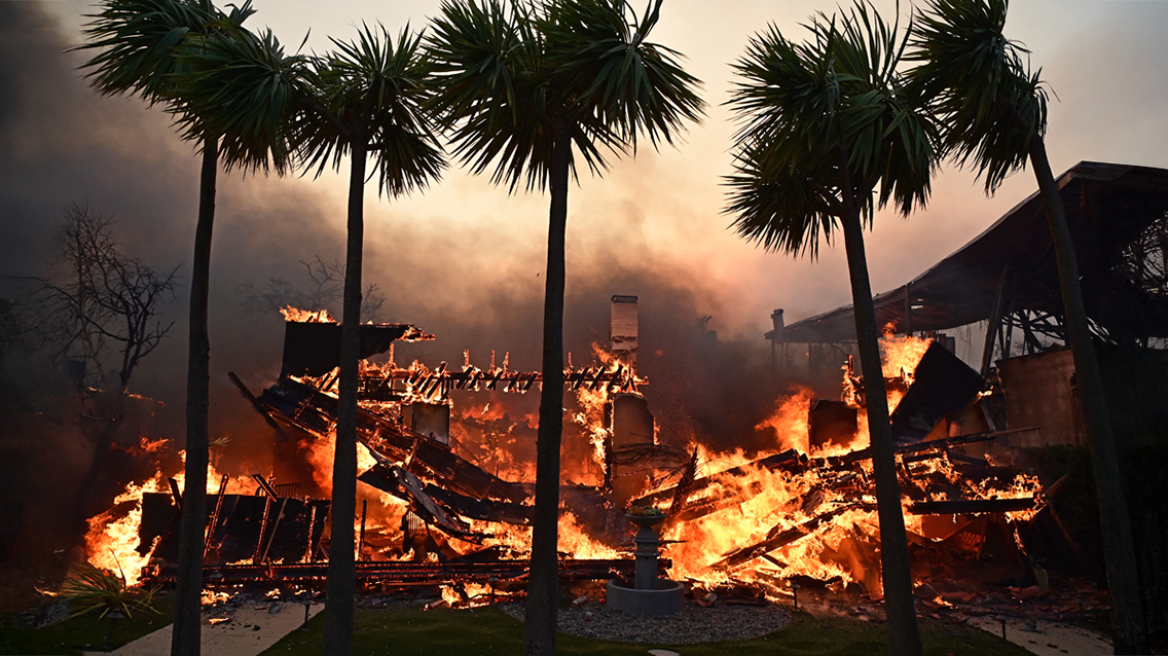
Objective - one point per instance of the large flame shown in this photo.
(112, 541)
(827, 510)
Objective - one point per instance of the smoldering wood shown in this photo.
(942, 384)
(238, 531)
(214, 519)
(971, 506)
(685, 485)
(256, 405)
(256, 555)
(385, 479)
(431, 510)
(649, 455)
(361, 538)
(778, 538)
(175, 492)
(265, 486)
(788, 459)
(432, 460)
(848, 460)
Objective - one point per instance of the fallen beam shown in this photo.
(778, 539)
(385, 479)
(788, 458)
(971, 506)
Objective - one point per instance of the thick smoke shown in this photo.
(477, 285)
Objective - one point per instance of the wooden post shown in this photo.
(995, 320)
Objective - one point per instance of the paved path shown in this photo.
(248, 631)
(1047, 638)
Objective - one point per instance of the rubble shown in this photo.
(759, 529)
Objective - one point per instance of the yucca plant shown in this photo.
(96, 590)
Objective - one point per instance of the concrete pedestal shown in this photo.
(668, 598)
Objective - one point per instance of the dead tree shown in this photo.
(100, 306)
(323, 289)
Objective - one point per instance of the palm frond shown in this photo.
(137, 41)
(602, 57)
(505, 72)
(824, 120)
(244, 87)
(372, 91)
(979, 85)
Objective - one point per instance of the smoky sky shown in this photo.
(464, 260)
(476, 284)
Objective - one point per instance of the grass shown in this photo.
(85, 632)
(486, 631)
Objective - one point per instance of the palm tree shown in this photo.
(520, 85)
(369, 100)
(829, 136)
(994, 110)
(141, 53)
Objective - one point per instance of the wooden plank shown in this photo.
(971, 506)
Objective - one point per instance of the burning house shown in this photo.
(1006, 280)
(447, 500)
(441, 510)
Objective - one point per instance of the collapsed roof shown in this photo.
(1117, 218)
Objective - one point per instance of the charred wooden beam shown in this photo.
(361, 539)
(848, 459)
(267, 487)
(175, 492)
(778, 538)
(214, 520)
(432, 460)
(427, 507)
(787, 459)
(971, 506)
(255, 404)
(383, 478)
(685, 485)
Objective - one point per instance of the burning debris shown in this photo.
(439, 510)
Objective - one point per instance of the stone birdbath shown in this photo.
(648, 595)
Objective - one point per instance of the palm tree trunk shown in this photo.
(189, 578)
(1127, 609)
(904, 638)
(539, 630)
(338, 627)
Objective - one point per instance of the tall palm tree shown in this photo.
(521, 84)
(368, 101)
(829, 136)
(994, 110)
(146, 50)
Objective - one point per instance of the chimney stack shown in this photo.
(623, 329)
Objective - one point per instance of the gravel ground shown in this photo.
(693, 624)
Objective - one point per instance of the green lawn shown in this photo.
(485, 631)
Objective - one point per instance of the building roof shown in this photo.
(1108, 206)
